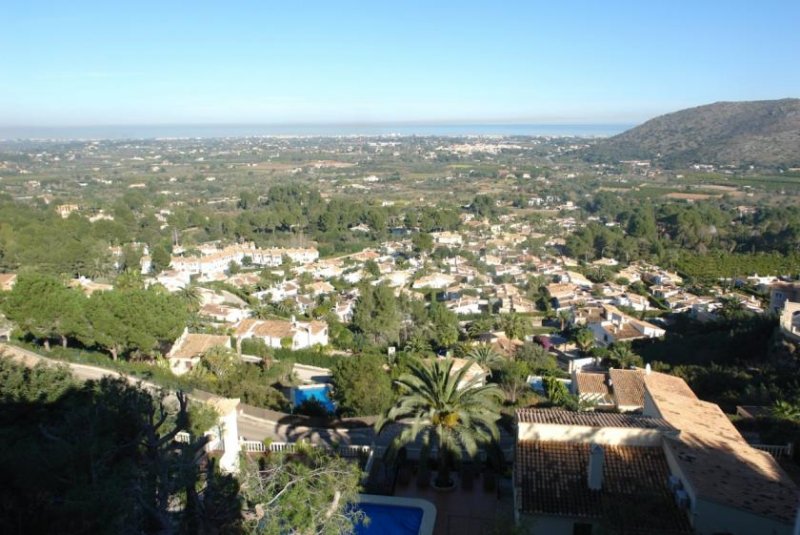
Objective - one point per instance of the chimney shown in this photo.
(647, 369)
(595, 469)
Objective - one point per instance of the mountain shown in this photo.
(763, 133)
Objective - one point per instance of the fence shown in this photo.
(776, 451)
(252, 446)
(346, 451)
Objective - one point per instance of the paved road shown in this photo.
(250, 427)
(80, 371)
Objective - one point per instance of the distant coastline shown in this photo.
(121, 132)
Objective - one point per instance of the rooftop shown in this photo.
(553, 478)
(194, 345)
(718, 463)
(628, 387)
(590, 419)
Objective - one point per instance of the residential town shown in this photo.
(622, 370)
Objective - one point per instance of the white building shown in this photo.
(619, 327)
(189, 347)
(292, 334)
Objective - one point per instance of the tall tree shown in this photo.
(514, 379)
(444, 416)
(160, 259)
(445, 324)
(361, 386)
(584, 339)
(486, 356)
(309, 492)
(44, 308)
(140, 320)
(537, 357)
(377, 315)
(515, 326)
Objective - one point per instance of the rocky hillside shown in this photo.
(762, 133)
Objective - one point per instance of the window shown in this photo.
(581, 528)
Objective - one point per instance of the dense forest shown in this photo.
(703, 240)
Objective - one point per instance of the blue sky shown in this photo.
(168, 62)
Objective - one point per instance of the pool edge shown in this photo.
(428, 509)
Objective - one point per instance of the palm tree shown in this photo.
(485, 356)
(786, 410)
(584, 339)
(99, 266)
(417, 344)
(624, 357)
(563, 317)
(515, 327)
(130, 279)
(190, 295)
(444, 416)
(480, 326)
(731, 308)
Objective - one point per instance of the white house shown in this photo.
(224, 313)
(465, 305)
(435, 281)
(575, 472)
(297, 334)
(635, 301)
(446, 238)
(396, 279)
(616, 326)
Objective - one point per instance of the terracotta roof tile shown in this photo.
(590, 419)
(591, 383)
(194, 345)
(552, 480)
(628, 387)
(593, 386)
(719, 464)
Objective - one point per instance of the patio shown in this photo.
(480, 504)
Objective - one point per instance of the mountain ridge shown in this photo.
(763, 133)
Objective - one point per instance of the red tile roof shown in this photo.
(591, 419)
(628, 387)
(634, 499)
(718, 463)
(591, 383)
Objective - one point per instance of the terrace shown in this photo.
(481, 502)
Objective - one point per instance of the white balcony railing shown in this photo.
(774, 450)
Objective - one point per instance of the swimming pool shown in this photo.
(390, 520)
(319, 392)
(389, 515)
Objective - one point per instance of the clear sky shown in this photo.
(168, 62)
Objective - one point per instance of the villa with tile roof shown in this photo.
(679, 467)
(189, 348)
(616, 326)
(299, 334)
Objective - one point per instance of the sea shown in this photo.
(199, 131)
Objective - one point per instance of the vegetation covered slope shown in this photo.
(763, 133)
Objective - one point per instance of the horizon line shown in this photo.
(420, 122)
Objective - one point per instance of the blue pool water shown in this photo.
(390, 520)
(321, 393)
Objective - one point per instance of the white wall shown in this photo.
(229, 462)
(612, 436)
(711, 518)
